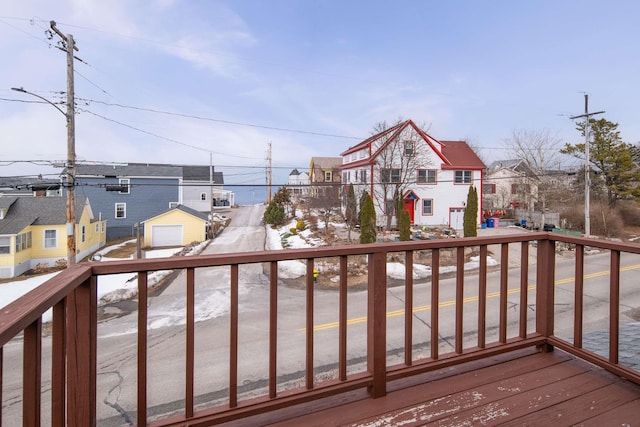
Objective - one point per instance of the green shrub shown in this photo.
(300, 225)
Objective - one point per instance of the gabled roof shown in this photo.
(460, 156)
(454, 154)
(130, 169)
(294, 172)
(326, 162)
(186, 172)
(201, 173)
(201, 215)
(515, 165)
(25, 211)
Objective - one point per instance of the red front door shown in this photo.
(409, 206)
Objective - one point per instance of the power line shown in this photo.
(190, 116)
(175, 141)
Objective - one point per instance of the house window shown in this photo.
(83, 234)
(462, 177)
(5, 245)
(489, 188)
(125, 185)
(426, 176)
(327, 176)
(203, 196)
(104, 223)
(427, 206)
(408, 148)
(173, 205)
(363, 176)
(23, 241)
(345, 176)
(50, 238)
(121, 210)
(97, 227)
(390, 175)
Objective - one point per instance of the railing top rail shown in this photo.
(19, 314)
(131, 266)
(633, 248)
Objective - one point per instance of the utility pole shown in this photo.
(587, 177)
(69, 46)
(269, 176)
(211, 195)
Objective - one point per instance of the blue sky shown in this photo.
(322, 72)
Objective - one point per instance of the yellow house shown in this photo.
(33, 232)
(178, 226)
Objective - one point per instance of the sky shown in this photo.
(193, 82)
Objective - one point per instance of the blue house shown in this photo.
(127, 194)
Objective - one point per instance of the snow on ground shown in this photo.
(115, 287)
(118, 287)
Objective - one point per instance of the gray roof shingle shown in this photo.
(25, 211)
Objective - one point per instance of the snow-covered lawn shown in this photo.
(302, 239)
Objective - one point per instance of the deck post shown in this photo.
(377, 323)
(545, 278)
(81, 357)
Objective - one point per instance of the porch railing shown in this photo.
(72, 295)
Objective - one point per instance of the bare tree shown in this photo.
(327, 202)
(401, 153)
(540, 151)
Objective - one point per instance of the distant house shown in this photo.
(127, 194)
(178, 226)
(430, 177)
(510, 184)
(33, 231)
(201, 190)
(298, 185)
(30, 187)
(323, 173)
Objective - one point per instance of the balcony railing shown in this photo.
(478, 321)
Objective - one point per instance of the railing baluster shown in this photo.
(273, 328)
(142, 349)
(504, 284)
(190, 343)
(408, 308)
(614, 306)
(58, 365)
(459, 298)
(579, 296)
(32, 374)
(309, 320)
(435, 301)
(233, 338)
(524, 287)
(482, 298)
(342, 364)
(377, 322)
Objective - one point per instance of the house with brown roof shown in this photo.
(324, 172)
(430, 177)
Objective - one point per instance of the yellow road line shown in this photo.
(395, 313)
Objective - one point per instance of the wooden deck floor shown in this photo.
(518, 389)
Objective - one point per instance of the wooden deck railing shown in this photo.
(73, 296)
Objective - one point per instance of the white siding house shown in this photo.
(431, 177)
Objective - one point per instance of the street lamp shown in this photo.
(70, 185)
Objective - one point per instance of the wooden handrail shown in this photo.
(73, 296)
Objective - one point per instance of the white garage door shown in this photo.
(166, 235)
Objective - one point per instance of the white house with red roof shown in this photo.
(431, 177)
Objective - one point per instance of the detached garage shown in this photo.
(179, 226)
